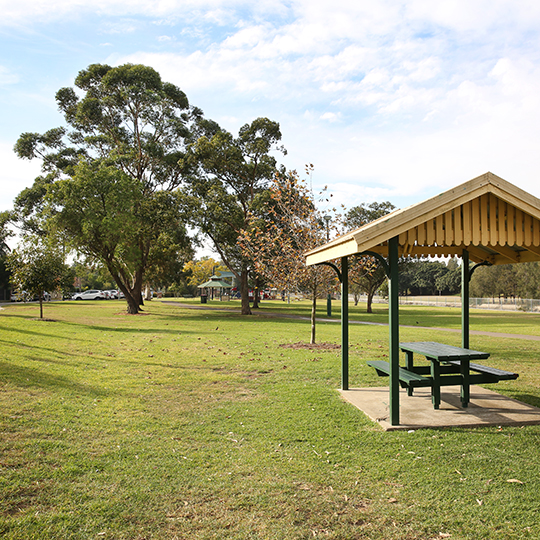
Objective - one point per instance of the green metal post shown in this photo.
(465, 299)
(344, 323)
(393, 320)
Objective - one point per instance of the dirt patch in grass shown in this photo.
(311, 346)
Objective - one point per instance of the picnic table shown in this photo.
(449, 366)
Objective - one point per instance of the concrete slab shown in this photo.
(486, 408)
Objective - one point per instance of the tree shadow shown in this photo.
(25, 377)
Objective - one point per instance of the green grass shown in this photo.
(196, 424)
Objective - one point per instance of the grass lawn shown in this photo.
(191, 424)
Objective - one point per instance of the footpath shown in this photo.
(271, 314)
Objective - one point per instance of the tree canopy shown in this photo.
(277, 241)
(111, 174)
(37, 268)
(234, 173)
(366, 274)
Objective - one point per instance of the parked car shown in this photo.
(113, 293)
(89, 295)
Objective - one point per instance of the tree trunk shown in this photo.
(356, 298)
(244, 292)
(257, 294)
(369, 302)
(41, 306)
(132, 303)
(313, 318)
(147, 293)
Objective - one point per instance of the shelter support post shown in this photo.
(465, 277)
(393, 320)
(344, 323)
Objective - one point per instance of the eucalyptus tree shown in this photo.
(111, 175)
(234, 172)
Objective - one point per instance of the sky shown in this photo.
(389, 100)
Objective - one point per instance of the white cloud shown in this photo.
(17, 174)
(7, 77)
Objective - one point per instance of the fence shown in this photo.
(502, 304)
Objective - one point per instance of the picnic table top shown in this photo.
(442, 352)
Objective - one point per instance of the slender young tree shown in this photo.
(277, 241)
(37, 268)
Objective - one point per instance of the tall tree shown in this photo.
(277, 241)
(120, 155)
(366, 273)
(235, 172)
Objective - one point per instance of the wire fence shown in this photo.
(502, 304)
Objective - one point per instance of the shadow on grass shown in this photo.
(31, 377)
(26, 346)
(35, 333)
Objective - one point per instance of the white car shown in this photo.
(89, 295)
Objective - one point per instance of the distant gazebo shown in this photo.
(215, 283)
(486, 220)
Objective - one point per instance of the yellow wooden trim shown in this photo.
(493, 220)
(510, 217)
(422, 233)
(343, 249)
(448, 228)
(519, 227)
(480, 212)
(475, 222)
(536, 232)
(430, 232)
(502, 218)
(467, 230)
(458, 227)
(484, 220)
(439, 235)
(527, 229)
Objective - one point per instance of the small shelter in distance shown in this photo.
(216, 283)
(486, 220)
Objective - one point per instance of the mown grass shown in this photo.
(185, 424)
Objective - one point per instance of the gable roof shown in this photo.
(491, 218)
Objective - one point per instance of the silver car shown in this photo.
(93, 294)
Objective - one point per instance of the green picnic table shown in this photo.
(449, 366)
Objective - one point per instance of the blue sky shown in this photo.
(390, 100)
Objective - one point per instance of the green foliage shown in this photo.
(366, 274)
(37, 268)
(234, 173)
(112, 173)
(200, 271)
(507, 280)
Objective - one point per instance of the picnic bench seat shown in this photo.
(407, 379)
(497, 374)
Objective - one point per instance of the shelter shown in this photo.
(215, 283)
(486, 220)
